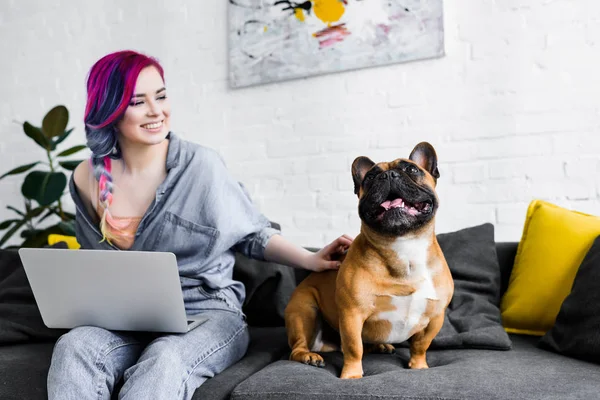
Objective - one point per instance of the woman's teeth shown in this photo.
(152, 126)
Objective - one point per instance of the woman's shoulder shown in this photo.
(85, 185)
(200, 154)
(81, 176)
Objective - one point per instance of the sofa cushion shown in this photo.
(20, 319)
(577, 329)
(24, 367)
(554, 243)
(526, 372)
(267, 345)
(24, 370)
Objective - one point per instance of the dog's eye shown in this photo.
(411, 169)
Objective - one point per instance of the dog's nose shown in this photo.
(389, 174)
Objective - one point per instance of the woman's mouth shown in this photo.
(153, 126)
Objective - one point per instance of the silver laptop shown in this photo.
(116, 290)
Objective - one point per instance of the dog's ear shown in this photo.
(424, 156)
(360, 167)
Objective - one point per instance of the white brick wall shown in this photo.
(512, 108)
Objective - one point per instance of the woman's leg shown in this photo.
(173, 366)
(87, 362)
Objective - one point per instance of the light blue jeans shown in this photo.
(88, 362)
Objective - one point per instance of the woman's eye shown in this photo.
(162, 97)
(136, 103)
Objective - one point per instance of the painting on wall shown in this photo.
(275, 40)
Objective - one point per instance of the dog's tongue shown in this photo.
(392, 203)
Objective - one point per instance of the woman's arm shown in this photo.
(281, 251)
(254, 236)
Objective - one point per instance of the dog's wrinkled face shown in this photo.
(397, 197)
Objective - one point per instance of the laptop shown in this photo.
(115, 290)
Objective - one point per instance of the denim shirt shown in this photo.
(202, 215)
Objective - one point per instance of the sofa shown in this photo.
(474, 357)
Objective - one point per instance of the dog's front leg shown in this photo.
(351, 325)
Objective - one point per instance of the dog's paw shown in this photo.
(308, 358)
(418, 363)
(382, 348)
(351, 373)
(350, 376)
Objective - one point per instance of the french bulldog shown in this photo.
(393, 284)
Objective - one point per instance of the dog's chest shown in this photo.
(410, 314)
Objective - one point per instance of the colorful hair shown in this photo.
(110, 87)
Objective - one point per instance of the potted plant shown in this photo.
(43, 188)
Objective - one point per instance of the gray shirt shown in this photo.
(202, 215)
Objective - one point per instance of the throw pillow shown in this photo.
(268, 290)
(71, 241)
(576, 332)
(554, 242)
(473, 316)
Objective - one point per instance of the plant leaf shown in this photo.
(62, 137)
(49, 213)
(36, 134)
(41, 237)
(68, 215)
(68, 227)
(20, 170)
(30, 215)
(21, 213)
(28, 233)
(55, 122)
(44, 187)
(35, 212)
(70, 165)
(4, 225)
(12, 231)
(72, 150)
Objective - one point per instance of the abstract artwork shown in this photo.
(275, 40)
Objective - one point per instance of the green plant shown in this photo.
(43, 189)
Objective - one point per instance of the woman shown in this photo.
(146, 189)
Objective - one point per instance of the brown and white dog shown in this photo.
(393, 284)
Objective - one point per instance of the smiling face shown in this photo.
(146, 119)
(397, 197)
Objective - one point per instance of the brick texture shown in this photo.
(512, 108)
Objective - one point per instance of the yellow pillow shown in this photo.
(70, 240)
(554, 243)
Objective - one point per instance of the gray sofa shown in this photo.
(524, 371)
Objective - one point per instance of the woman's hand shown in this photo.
(327, 258)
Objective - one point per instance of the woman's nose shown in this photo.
(154, 108)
